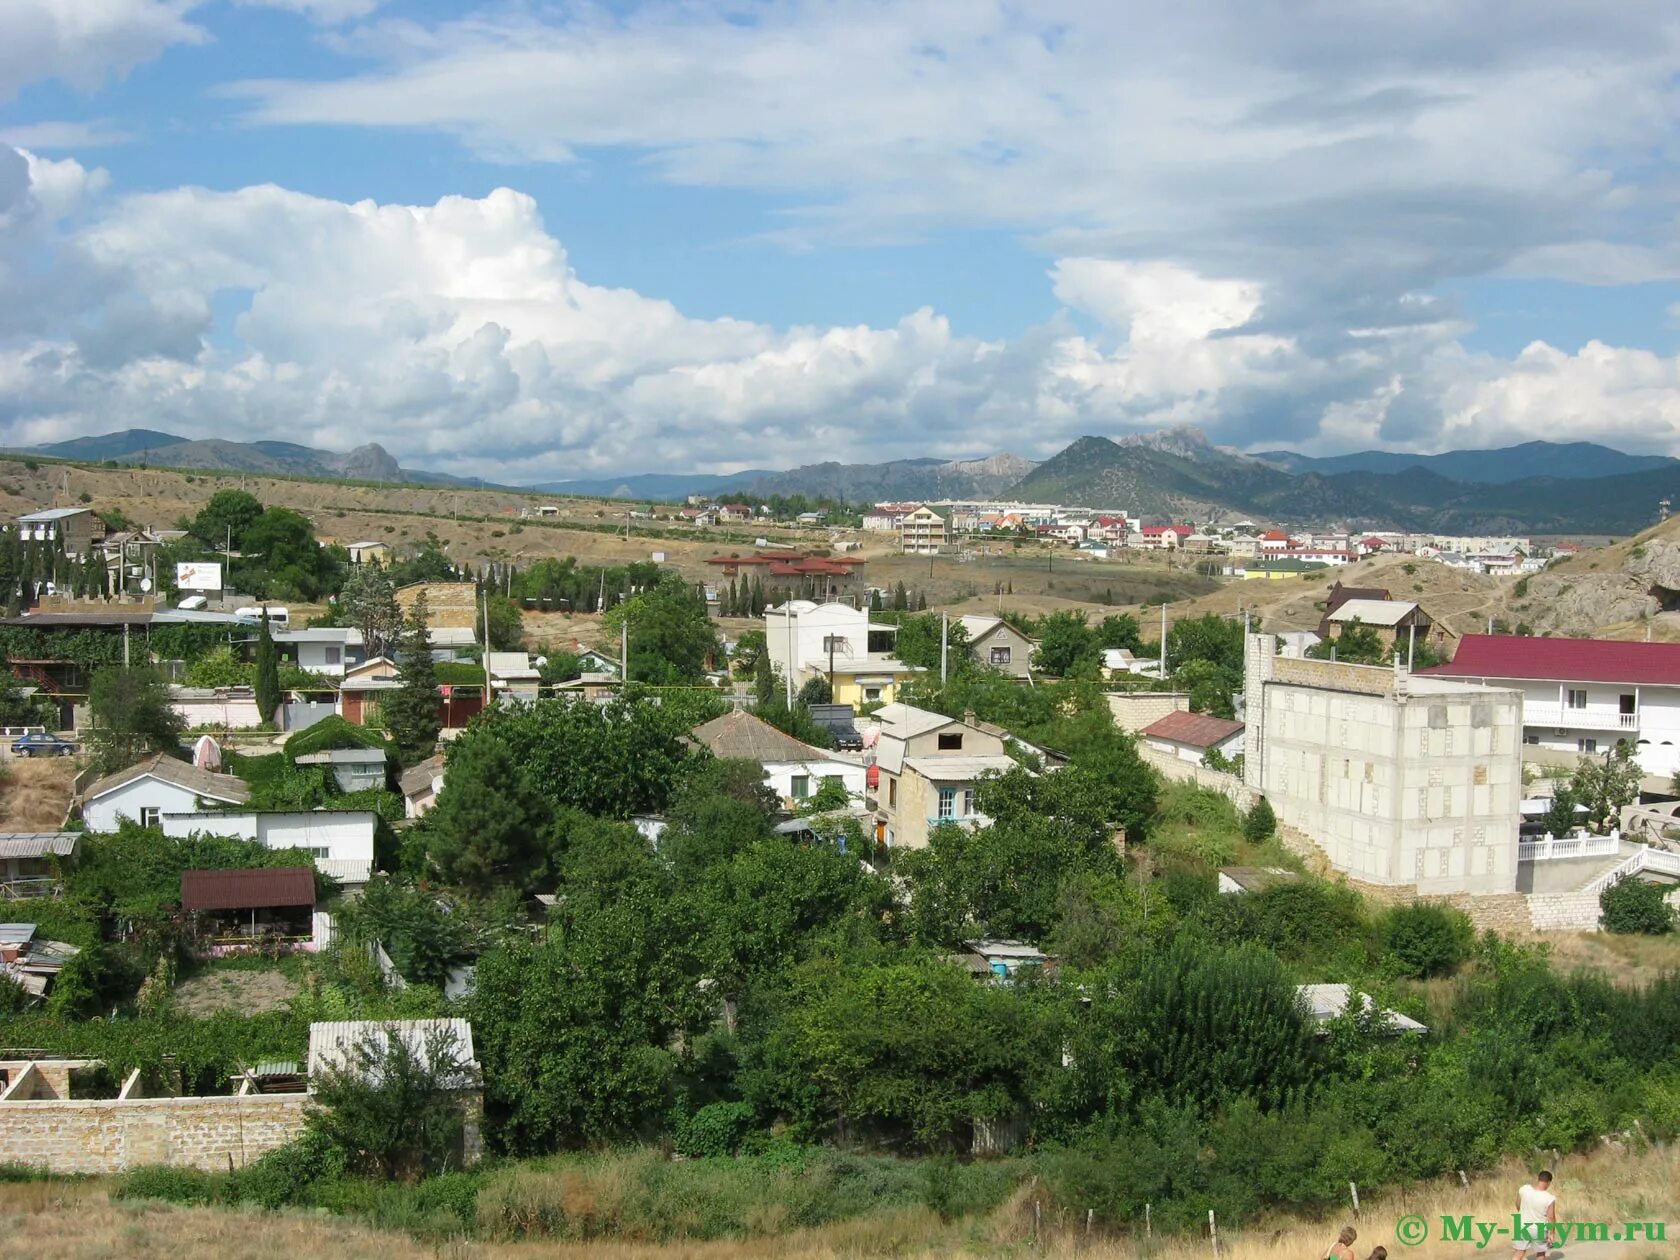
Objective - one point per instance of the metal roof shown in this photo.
(1373, 612)
(342, 757)
(37, 844)
(1196, 730)
(54, 514)
(256, 889)
(332, 1046)
(1327, 1001)
(1518, 657)
(960, 769)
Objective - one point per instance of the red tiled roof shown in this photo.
(1198, 730)
(1274, 535)
(1562, 660)
(248, 890)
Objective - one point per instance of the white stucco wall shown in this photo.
(131, 798)
(328, 835)
(779, 775)
(234, 714)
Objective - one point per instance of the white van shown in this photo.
(276, 616)
(193, 603)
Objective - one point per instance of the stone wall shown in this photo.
(1170, 766)
(1134, 710)
(111, 1135)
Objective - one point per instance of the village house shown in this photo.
(796, 574)
(420, 785)
(1192, 736)
(793, 770)
(324, 650)
(76, 531)
(925, 772)
(1583, 696)
(154, 787)
(993, 641)
(361, 553)
(354, 769)
(1400, 623)
(452, 611)
(835, 641)
(234, 909)
(338, 841)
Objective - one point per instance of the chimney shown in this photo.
(969, 719)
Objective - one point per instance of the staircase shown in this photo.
(1658, 861)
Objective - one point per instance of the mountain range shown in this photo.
(1533, 488)
(286, 459)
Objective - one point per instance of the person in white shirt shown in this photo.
(1536, 1214)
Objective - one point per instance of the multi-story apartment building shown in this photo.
(1584, 695)
(75, 530)
(922, 532)
(1401, 779)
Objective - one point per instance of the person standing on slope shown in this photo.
(1531, 1230)
(1342, 1248)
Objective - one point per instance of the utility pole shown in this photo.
(1411, 649)
(1163, 640)
(484, 607)
(624, 651)
(944, 647)
(787, 617)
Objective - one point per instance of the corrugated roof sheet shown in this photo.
(1372, 612)
(258, 889)
(1197, 730)
(1562, 660)
(37, 844)
(332, 1046)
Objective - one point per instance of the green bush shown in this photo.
(1260, 823)
(716, 1129)
(328, 734)
(1424, 941)
(186, 1186)
(1634, 907)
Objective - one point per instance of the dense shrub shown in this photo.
(1426, 940)
(1260, 823)
(1635, 907)
(716, 1129)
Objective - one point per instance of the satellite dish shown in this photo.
(145, 584)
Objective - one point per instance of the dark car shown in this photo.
(42, 744)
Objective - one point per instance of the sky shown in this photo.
(535, 241)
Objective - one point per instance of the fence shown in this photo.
(1551, 848)
(297, 715)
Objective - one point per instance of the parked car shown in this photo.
(43, 745)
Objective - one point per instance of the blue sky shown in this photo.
(556, 239)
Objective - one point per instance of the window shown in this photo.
(149, 815)
(335, 654)
(968, 802)
(801, 786)
(892, 793)
(871, 694)
(1529, 738)
(1577, 698)
(834, 643)
(951, 742)
(1627, 706)
(947, 803)
(1586, 745)
(1000, 655)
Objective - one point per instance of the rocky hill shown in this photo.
(154, 449)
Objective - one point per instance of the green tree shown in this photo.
(1633, 906)
(222, 522)
(1067, 647)
(369, 604)
(1120, 630)
(671, 637)
(507, 624)
(1561, 816)
(1211, 687)
(268, 672)
(489, 827)
(282, 559)
(131, 716)
(1605, 785)
(1357, 644)
(392, 1108)
(411, 711)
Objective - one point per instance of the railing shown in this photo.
(1592, 718)
(1552, 849)
(1646, 859)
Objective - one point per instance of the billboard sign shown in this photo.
(197, 575)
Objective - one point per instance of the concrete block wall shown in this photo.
(1564, 912)
(1171, 766)
(110, 1135)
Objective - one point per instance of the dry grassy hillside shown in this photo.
(72, 1220)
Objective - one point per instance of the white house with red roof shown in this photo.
(1275, 540)
(1191, 736)
(1583, 695)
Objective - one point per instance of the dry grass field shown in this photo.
(77, 1221)
(35, 792)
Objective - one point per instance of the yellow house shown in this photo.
(1278, 570)
(926, 769)
(867, 680)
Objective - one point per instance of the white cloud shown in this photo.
(86, 42)
(322, 12)
(62, 135)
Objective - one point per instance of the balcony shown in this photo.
(1596, 717)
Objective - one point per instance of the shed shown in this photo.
(261, 888)
(355, 769)
(1326, 1002)
(333, 1046)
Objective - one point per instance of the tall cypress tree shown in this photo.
(268, 672)
(411, 711)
